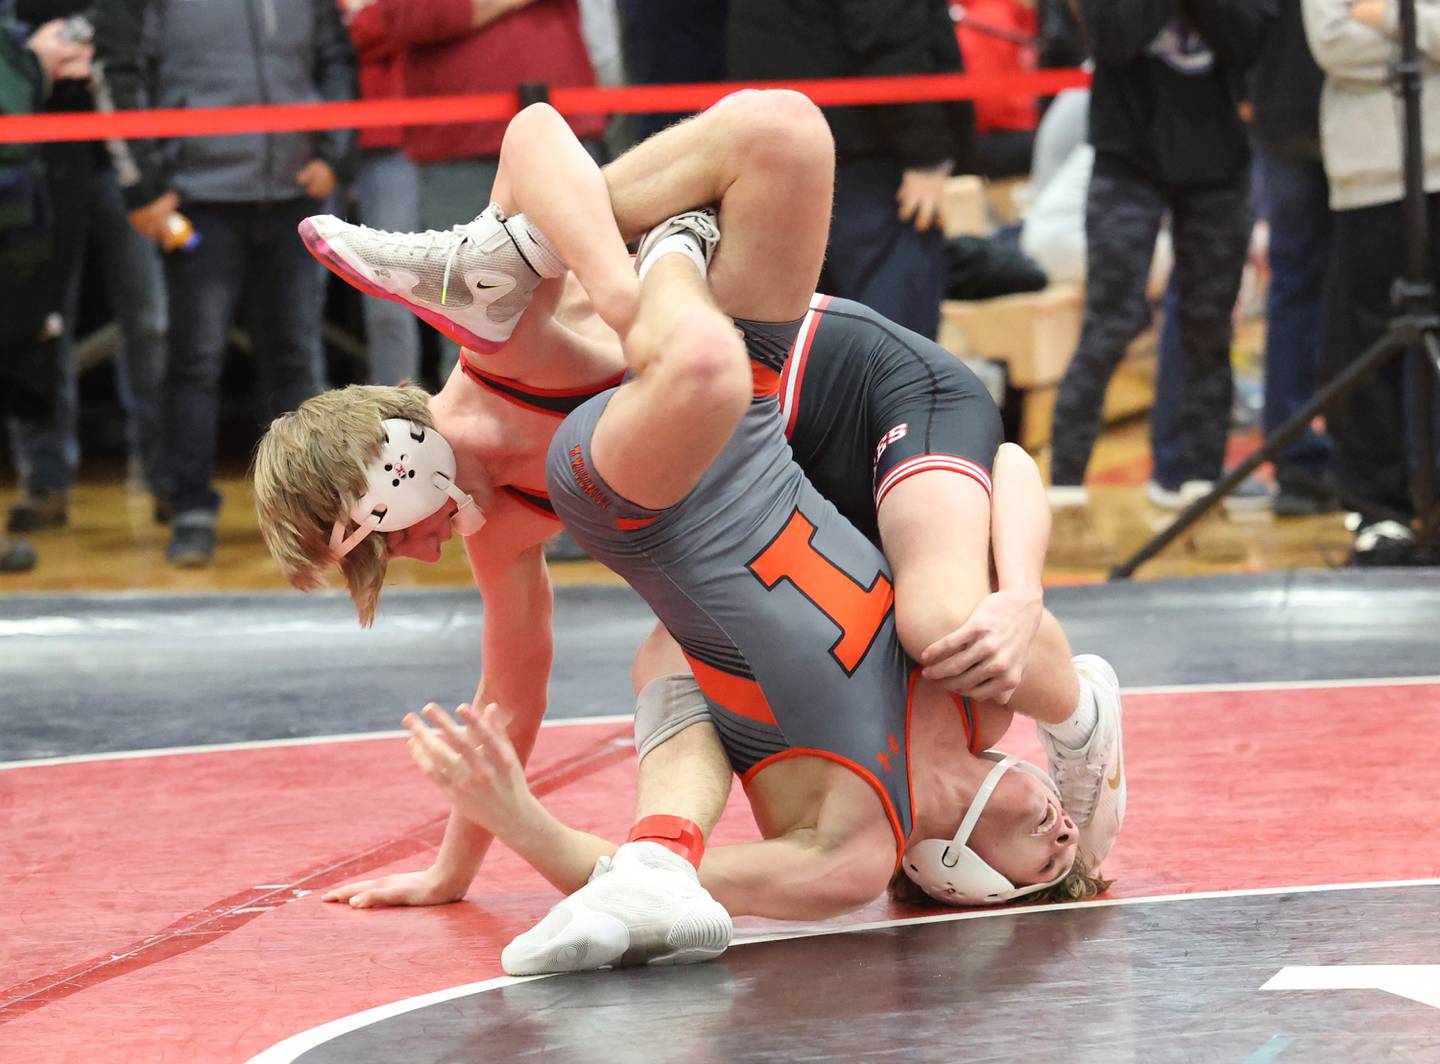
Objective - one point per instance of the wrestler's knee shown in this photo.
(778, 130)
(701, 356)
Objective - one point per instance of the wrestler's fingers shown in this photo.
(947, 645)
(957, 664)
(449, 731)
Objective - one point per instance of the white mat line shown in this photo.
(266, 744)
(287, 1051)
(618, 718)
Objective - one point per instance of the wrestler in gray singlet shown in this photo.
(783, 609)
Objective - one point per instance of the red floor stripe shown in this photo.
(220, 918)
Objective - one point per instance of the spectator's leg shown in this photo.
(1371, 457)
(1297, 195)
(388, 188)
(667, 43)
(877, 259)
(46, 448)
(287, 307)
(1122, 219)
(451, 193)
(203, 288)
(1211, 232)
(135, 283)
(1167, 443)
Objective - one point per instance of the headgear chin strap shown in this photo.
(952, 873)
(409, 481)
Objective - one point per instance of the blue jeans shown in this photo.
(453, 192)
(876, 259)
(1297, 202)
(387, 189)
(47, 449)
(249, 246)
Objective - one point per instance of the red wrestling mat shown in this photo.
(166, 908)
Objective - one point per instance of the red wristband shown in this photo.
(675, 833)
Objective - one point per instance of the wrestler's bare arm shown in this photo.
(835, 864)
(506, 558)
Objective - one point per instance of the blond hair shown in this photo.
(309, 472)
(1079, 884)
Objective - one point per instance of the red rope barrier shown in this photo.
(437, 110)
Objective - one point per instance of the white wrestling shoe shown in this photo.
(472, 282)
(698, 232)
(1092, 779)
(644, 906)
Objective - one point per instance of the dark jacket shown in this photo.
(770, 39)
(1285, 89)
(222, 53)
(1165, 96)
(24, 210)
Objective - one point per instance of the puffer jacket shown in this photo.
(225, 53)
(1359, 117)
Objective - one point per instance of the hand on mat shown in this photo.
(475, 765)
(985, 658)
(404, 888)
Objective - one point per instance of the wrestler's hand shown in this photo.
(475, 765)
(985, 658)
(404, 888)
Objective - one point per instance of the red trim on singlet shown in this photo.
(924, 463)
(630, 524)
(793, 376)
(505, 387)
(520, 495)
(765, 382)
(859, 770)
(739, 695)
(967, 718)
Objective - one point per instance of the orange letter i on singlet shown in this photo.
(856, 610)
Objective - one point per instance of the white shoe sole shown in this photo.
(574, 938)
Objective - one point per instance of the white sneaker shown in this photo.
(644, 906)
(471, 282)
(702, 226)
(1092, 779)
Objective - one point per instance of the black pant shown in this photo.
(1210, 229)
(876, 259)
(1370, 425)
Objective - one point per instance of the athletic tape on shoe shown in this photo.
(412, 477)
(952, 873)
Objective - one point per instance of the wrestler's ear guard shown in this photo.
(952, 873)
(411, 478)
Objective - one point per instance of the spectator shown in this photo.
(387, 190)
(1355, 45)
(30, 297)
(889, 257)
(1167, 135)
(1285, 92)
(671, 41)
(87, 201)
(244, 196)
(997, 39)
(473, 46)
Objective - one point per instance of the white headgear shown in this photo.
(409, 481)
(950, 872)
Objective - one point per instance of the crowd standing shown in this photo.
(1203, 116)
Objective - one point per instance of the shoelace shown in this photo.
(1084, 772)
(455, 238)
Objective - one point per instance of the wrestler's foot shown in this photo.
(694, 234)
(1092, 778)
(644, 906)
(471, 282)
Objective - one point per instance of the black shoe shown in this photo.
(1303, 494)
(1382, 543)
(39, 511)
(16, 555)
(164, 514)
(192, 545)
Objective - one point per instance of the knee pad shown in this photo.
(665, 707)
